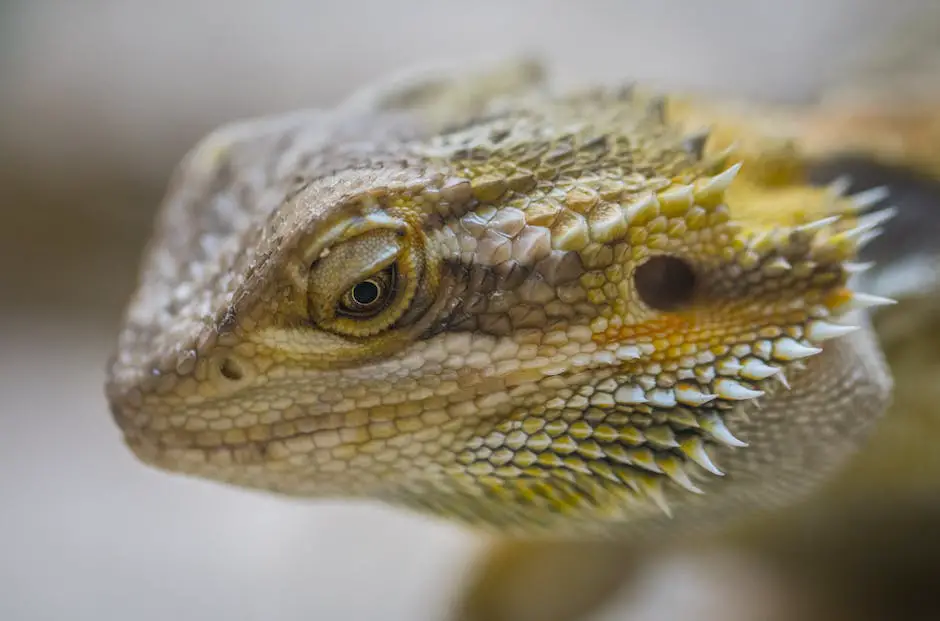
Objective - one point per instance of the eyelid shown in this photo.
(381, 263)
(347, 264)
(349, 229)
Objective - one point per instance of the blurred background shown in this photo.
(98, 100)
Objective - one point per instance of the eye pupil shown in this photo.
(665, 283)
(369, 297)
(366, 293)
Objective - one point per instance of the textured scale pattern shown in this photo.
(587, 329)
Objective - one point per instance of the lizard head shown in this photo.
(567, 317)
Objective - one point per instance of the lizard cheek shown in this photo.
(665, 283)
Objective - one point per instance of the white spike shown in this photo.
(862, 301)
(716, 429)
(823, 330)
(870, 222)
(816, 225)
(731, 390)
(681, 194)
(630, 395)
(782, 378)
(840, 185)
(866, 238)
(851, 267)
(755, 369)
(869, 198)
(788, 349)
(694, 449)
(721, 181)
(877, 218)
(689, 394)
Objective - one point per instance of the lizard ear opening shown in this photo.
(665, 283)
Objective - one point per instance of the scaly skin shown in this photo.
(587, 318)
(860, 546)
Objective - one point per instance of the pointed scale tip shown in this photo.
(788, 349)
(672, 466)
(864, 301)
(653, 489)
(730, 390)
(840, 185)
(716, 428)
(869, 198)
(693, 447)
(817, 225)
(820, 331)
(718, 183)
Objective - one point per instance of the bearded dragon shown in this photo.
(601, 313)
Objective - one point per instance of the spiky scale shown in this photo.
(756, 369)
(732, 390)
(852, 267)
(676, 201)
(675, 470)
(864, 301)
(866, 224)
(691, 394)
(870, 197)
(788, 349)
(644, 458)
(840, 185)
(693, 447)
(602, 468)
(716, 428)
(661, 437)
(819, 330)
(818, 225)
(716, 185)
(652, 488)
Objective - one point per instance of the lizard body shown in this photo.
(539, 314)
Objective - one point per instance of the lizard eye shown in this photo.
(665, 283)
(369, 297)
(365, 285)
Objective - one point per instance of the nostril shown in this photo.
(665, 283)
(231, 369)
